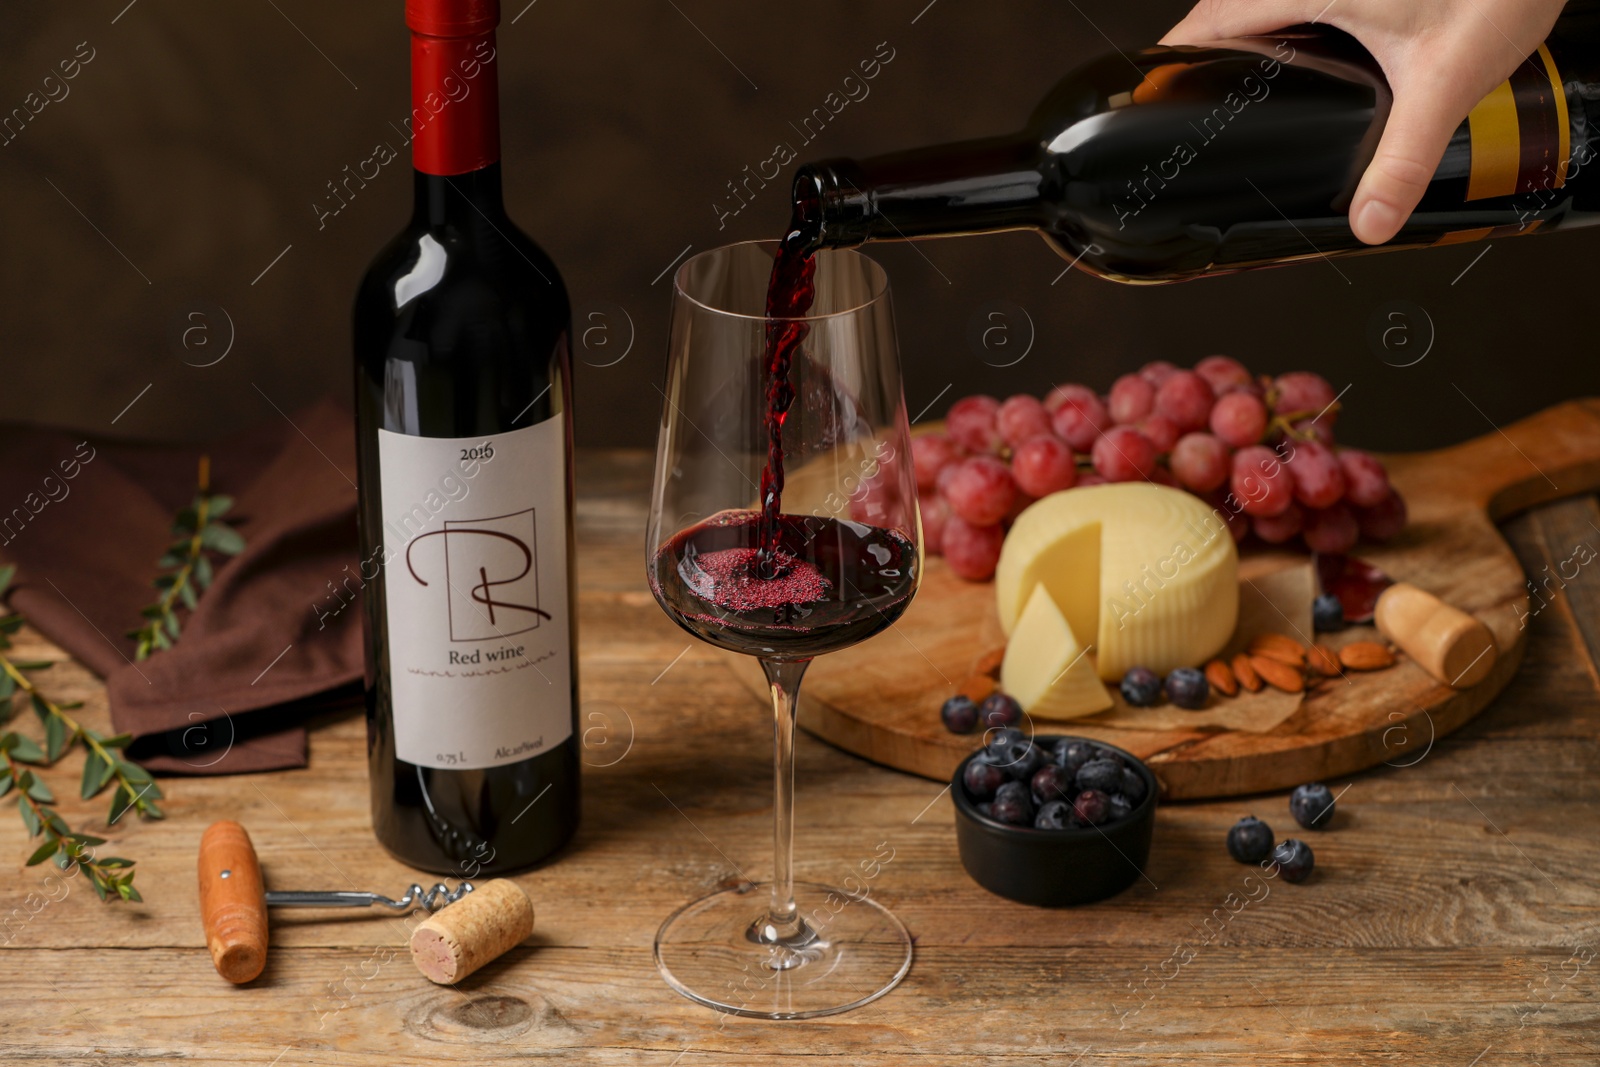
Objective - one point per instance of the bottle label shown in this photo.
(1521, 133)
(475, 539)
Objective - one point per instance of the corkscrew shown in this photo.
(233, 902)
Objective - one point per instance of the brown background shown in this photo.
(201, 134)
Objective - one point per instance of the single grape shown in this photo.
(1043, 465)
(1186, 399)
(1366, 482)
(1020, 418)
(972, 551)
(1132, 398)
(1200, 461)
(1261, 482)
(1239, 419)
(1123, 454)
(1279, 529)
(1318, 477)
(1224, 374)
(1332, 530)
(1162, 432)
(970, 422)
(1157, 371)
(1080, 419)
(1384, 520)
(935, 511)
(981, 491)
(1304, 393)
(1070, 392)
(930, 454)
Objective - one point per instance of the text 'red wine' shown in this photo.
(464, 426)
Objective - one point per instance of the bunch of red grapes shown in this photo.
(1259, 449)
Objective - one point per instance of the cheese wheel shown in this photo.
(1147, 572)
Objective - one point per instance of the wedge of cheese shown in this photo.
(1047, 669)
(1147, 573)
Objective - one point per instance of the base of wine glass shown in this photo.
(849, 951)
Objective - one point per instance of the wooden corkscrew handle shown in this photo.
(233, 904)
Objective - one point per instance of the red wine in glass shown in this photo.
(837, 582)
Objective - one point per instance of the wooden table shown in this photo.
(1454, 917)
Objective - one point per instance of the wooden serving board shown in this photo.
(880, 699)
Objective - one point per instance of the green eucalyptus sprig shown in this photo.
(186, 567)
(104, 763)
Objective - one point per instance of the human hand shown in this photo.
(1440, 56)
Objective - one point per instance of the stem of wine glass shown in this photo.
(783, 678)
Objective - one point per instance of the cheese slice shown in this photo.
(1147, 572)
(1046, 669)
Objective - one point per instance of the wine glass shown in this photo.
(836, 564)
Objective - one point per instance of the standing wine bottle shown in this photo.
(1189, 161)
(464, 427)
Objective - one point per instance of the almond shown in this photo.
(1279, 675)
(1323, 660)
(1246, 673)
(1366, 656)
(1280, 647)
(1220, 675)
(989, 662)
(978, 687)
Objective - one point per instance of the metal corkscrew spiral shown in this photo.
(415, 897)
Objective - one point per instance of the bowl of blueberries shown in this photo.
(1053, 820)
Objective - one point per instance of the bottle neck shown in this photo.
(455, 126)
(968, 187)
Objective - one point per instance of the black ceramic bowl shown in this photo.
(1051, 868)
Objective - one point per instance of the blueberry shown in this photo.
(1106, 752)
(1121, 808)
(1012, 805)
(1056, 815)
(1091, 807)
(1250, 840)
(999, 742)
(1141, 687)
(1072, 753)
(1294, 859)
(1188, 688)
(1050, 782)
(1312, 805)
(1100, 774)
(984, 808)
(982, 779)
(1000, 710)
(960, 714)
(1020, 760)
(1327, 614)
(1132, 785)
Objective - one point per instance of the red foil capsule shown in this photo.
(455, 93)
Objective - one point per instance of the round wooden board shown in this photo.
(881, 699)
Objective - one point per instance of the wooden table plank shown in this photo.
(1442, 922)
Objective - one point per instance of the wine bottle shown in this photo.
(1187, 161)
(464, 434)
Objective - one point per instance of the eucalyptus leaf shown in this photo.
(40, 707)
(172, 624)
(99, 888)
(57, 823)
(8, 572)
(220, 538)
(165, 581)
(154, 611)
(114, 861)
(8, 685)
(203, 573)
(114, 741)
(40, 792)
(120, 800)
(130, 893)
(42, 853)
(30, 819)
(219, 505)
(26, 749)
(96, 773)
(56, 737)
(5, 783)
(33, 664)
(185, 521)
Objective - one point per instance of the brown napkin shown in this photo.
(276, 637)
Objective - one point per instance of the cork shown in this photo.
(479, 927)
(1445, 641)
